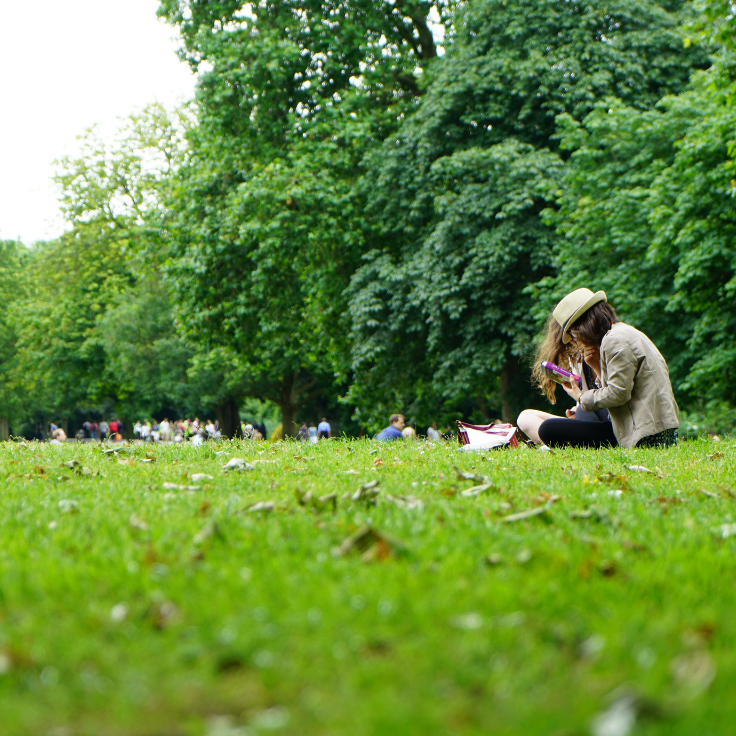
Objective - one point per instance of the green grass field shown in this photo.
(129, 607)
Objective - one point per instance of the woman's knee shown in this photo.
(526, 420)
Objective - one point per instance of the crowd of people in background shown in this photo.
(197, 432)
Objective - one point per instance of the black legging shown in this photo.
(587, 430)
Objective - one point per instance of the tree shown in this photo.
(268, 225)
(648, 214)
(12, 288)
(95, 327)
(489, 110)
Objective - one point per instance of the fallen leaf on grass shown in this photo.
(494, 559)
(727, 530)
(480, 479)
(135, 522)
(71, 464)
(370, 544)
(119, 613)
(467, 621)
(618, 719)
(207, 532)
(405, 502)
(524, 556)
(641, 469)
(378, 462)
(162, 614)
(201, 477)
(237, 463)
(476, 491)
(528, 514)
(715, 456)
(694, 671)
(177, 487)
(545, 497)
(367, 492)
(318, 504)
(261, 506)
(599, 516)
(709, 494)
(67, 506)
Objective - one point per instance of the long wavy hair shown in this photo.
(553, 350)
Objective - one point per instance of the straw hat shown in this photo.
(574, 306)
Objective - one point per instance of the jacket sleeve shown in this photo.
(621, 366)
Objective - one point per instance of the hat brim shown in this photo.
(599, 296)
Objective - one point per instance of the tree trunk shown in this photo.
(4, 429)
(288, 412)
(228, 417)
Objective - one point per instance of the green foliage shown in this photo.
(648, 215)
(267, 221)
(13, 287)
(438, 309)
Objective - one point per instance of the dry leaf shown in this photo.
(67, 506)
(207, 532)
(528, 514)
(479, 479)
(476, 491)
(201, 477)
(264, 506)
(177, 487)
(237, 463)
(405, 502)
(367, 492)
(372, 544)
(694, 671)
(137, 523)
(639, 469)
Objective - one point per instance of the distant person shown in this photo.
(113, 429)
(433, 434)
(261, 427)
(104, 429)
(165, 430)
(94, 429)
(393, 431)
(137, 430)
(313, 433)
(210, 429)
(303, 433)
(155, 431)
(58, 435)
(146, 431)
(409, 433)
(324, 431)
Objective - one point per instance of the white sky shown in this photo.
(69, 64)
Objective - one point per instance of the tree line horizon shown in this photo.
(372, 207)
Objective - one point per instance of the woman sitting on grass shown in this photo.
(626, 396)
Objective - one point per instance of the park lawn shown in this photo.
(129, 608)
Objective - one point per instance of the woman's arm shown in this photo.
(621, 367)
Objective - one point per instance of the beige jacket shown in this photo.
(635, 386)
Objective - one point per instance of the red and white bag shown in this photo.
(485, 436)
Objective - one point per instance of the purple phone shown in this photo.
(559, 374)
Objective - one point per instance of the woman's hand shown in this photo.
(570, 413)
(592, 357)
(573, 390)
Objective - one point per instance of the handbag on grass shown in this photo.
(485, 436)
